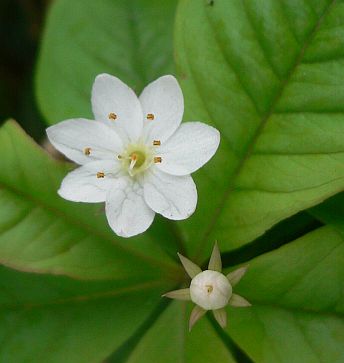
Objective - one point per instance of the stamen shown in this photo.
(209, 288)
(119, 157)
(100, 174)
(156, 142)
(87, 151)
(150, 116)
(112, 116)
(157, 159)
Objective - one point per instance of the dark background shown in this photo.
(21, 24)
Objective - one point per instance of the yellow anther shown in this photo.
(209, 288)
(87, 151)
(112, 116)
(133, 157)
(100, 174)
(150, 116)
(157, 159)
(156, 143)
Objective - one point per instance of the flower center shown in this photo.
(209, 288)
(136, 158)
(139, 158)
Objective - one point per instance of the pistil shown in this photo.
(133, 161)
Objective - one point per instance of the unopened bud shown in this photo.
(210, 290)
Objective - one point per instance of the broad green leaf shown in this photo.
(298, 303)
(129, 39)
(41, 232)
(269, 76)
(55, 319)
(169, 341)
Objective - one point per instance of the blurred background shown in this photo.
(21, 24)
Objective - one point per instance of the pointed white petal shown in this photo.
(221, 317)
(215, 262)
(74, 137)
(163, 99)
(196, 314)
(191, 268)
(174, 197)
(235, 276)
(83, 185)
(182, 294)
(126, 211)
(238, 301)
(111, 96)
(192, 145)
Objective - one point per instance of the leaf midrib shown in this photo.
(264, 119)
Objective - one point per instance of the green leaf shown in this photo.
(41, 232)
(55, 319)
(129, 39)
(169, 341)
(298, 305)
(268, 75)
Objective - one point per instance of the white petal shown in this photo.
(72, 137)
(193, 144)
(111, 95)
(82, 184)
(175, 197)
(162, 98)
(126, 211)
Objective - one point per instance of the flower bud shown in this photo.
(210, 290)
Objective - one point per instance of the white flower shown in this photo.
(136, 156)
(210, 289)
